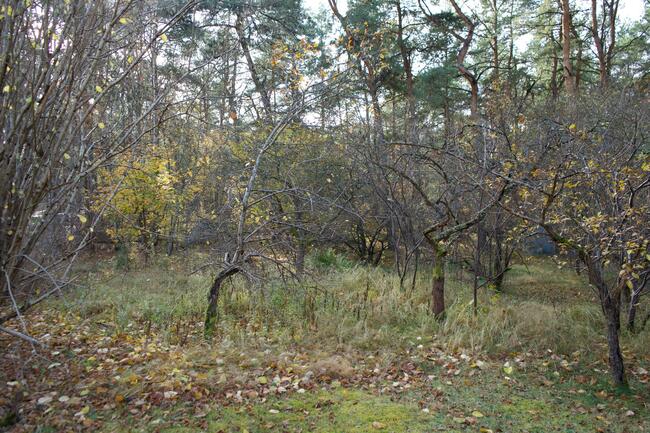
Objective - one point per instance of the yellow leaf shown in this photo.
(629, 284)
(66, 156)
(129, 59)
(123, 20)
(85, 410)
(6, 89)
(82, 218)
(477, 414)
(70, 237)
(101, 125)
(99, 89)
(163, 37)
(119, 398)
(572, 127)
(485, 430)
(133, 379)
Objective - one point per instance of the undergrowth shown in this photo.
(344, 305)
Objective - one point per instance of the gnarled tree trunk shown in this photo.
(212, 313)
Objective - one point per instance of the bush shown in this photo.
(328, 258)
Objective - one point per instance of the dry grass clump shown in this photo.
(509, 325)
(335, 367)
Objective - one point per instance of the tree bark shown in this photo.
(212, 313)
(604, 53)
(612, 314)
(633, 303)
(554, 63)
(569, 77)
(438, 282)
(409, 119)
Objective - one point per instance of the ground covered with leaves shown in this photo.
(92, 378)
(111, 373)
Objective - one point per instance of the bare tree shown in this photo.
(63, 68)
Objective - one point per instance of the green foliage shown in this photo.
(122, 256)
(329, 258)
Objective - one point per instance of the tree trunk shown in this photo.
(257, 81)
(569, 77)
(632, 308)
(554, 63)
(300, 257)
(410, 126)
(598, 42)
(212, 313)
(378, 121)
(612, 315)
(438, 283)
(578, 68)
(610, 302)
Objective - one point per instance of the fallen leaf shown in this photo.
(44, 400)
(170, 394)
(83, 411)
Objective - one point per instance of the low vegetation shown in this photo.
(324, 216)
(345, 349)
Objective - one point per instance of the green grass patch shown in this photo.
(338, 410)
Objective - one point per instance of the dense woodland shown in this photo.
(254, 141)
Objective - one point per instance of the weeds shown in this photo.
(541, 308)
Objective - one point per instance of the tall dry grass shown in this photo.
(341, 304)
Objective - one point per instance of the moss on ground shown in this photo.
(338, 410)
(343, 410)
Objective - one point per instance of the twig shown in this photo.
(20, 335)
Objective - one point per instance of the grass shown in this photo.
(531, 399)
(342, 410)
(544, 325)
(346, 306)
